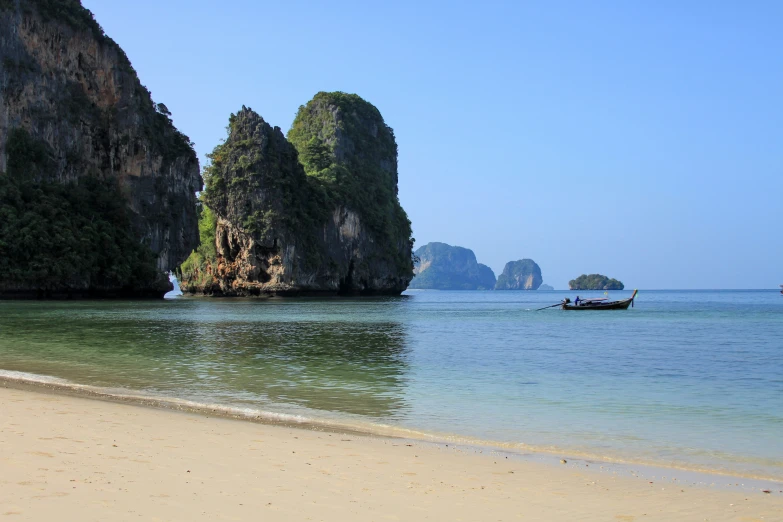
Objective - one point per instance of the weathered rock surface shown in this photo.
(524, 274)
(75, 93)
(330, 224)
(446, 267)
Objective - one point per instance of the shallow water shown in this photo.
(688, 379)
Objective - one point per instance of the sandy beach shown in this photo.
(72, 458)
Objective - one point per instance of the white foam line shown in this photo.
(369, 429)
(130, 396)
(32, 378)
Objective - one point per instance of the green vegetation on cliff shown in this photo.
(98, 197)
(28, 158)
(257, 157)
(195, 266)
(67, 238)
(317, 212)
(255, 181)
(595, 282)
(350, 153)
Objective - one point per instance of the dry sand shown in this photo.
(68, 458)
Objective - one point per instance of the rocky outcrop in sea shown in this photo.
(524, 274)
(311, 214)
(445, 267)
(595, 282)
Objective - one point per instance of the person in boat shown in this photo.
(576, 303)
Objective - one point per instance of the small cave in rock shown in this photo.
(264, 277)
(261, 268)
(346, 283)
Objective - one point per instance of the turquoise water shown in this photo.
(688, 379)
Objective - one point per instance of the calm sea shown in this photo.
(686, 378)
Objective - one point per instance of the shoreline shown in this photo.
(550, 456)
(73, 458)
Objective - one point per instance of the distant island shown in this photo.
(545, 288)
(595, 282)
(524, 274)
(444, 267)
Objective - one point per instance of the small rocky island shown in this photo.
(315, 213)
(524, 274)
(97, 187)
(595, 282)
(546, 288)
(444, 267)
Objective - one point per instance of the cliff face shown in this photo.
(446, 267)
(524, 274)
(315, 215)
(71, 97)
(486, 278)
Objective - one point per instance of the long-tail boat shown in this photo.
(599, 304)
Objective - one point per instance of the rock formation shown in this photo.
(524, 274)
(79, 130)
(445, 267)
(546, 288)
(486, 278)
(595, 282)
(316, 213)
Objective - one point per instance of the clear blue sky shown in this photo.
(641, 140)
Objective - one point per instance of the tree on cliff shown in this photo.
(67, 238)
(347, 148)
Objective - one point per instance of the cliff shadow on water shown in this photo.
(245, 353)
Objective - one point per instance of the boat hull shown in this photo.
(615, 305)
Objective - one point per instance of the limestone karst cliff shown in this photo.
(445, 267)
(79, 132)
(316, 213)
(524, 274)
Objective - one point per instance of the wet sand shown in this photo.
(76, 459)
